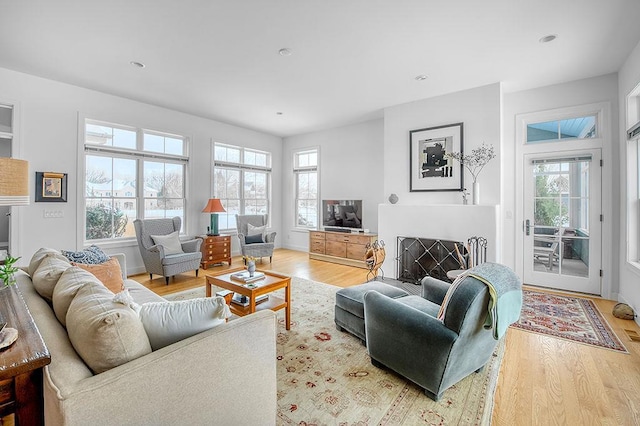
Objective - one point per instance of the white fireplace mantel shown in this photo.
(439, 221)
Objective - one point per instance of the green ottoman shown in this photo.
(349, 309)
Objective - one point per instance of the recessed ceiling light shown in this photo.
(137, 64)
(285, 51)
(548, 38)
(279, 113)
(422, 77)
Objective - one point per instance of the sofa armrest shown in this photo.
(122, 260)
(270, 237)
(434, 290)
(206, 379)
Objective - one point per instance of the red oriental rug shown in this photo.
(566, 317)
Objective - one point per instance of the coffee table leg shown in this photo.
(207, 287)
(287, 310)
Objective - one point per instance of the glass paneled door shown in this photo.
(562, 229)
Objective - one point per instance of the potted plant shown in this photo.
(7, 271)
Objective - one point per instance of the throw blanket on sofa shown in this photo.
(505, 289)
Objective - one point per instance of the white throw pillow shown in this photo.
(170, 322)
(257, 230)
(170, 242)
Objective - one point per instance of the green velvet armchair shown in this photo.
(406, 336)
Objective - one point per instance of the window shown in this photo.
(305, 171)
(241, 180)
(560, 130)
(131, 173)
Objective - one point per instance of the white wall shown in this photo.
(48, 130)
(581, 92)
(351, 159)
(629, 289)
(478, 109)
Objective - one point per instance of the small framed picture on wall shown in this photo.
(51, 187)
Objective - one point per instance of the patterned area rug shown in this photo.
(325, 377)
(565, 317)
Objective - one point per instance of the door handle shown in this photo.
(527, 227)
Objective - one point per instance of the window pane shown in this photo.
(110, 136)
(227, 154)
(153, 143)
(174, 146)
(573, 128)
(108, 218)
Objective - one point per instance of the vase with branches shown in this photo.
(475, 162)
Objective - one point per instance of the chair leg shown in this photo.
(270, 259)
(150, 276)
(166, 280)
(197, 272)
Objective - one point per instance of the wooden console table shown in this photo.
(21, 363)
(340, 247)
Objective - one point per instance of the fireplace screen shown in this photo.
(419, 257)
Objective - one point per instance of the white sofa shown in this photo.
(224, 376)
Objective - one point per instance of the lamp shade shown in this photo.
(14, 182)
(213, 206)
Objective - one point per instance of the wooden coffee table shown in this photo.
(271, 282)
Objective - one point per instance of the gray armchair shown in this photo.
(153, 256)
(256, 249)
(406, 336)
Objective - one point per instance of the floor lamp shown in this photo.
(14, 182)
(214, 206)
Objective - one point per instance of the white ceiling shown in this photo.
(351, 58)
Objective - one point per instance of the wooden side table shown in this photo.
(215, 249)
(21, 363)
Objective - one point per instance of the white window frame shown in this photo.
(632, 202)
(299, 170)
(243, 168)
(140, 156)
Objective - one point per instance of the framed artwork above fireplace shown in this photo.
(429, 167)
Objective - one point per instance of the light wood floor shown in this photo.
(543, 380)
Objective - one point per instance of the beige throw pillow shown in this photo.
(257, 230)
(39, 256)
(47, 274)
(68, 285)
(105, 334)
(170, 322)
(109, 273)
(170, 242)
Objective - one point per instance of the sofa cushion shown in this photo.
(170, 322)
(170, 242)
(39, 256)
(105, 334)
(109, 273)
(91, 255)
(47, 274)
(68, 285)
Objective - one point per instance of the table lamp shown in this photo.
(214, 206)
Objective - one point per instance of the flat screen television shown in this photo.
(342, 214)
